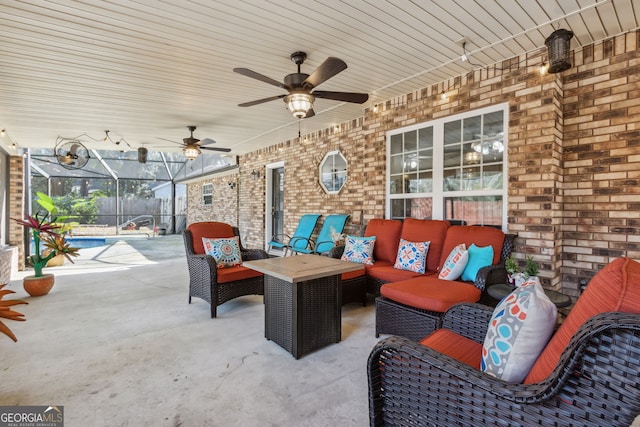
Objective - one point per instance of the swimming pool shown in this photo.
(82, 242)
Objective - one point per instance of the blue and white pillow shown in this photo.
(412, 256)
(359, 249)
(226, 251)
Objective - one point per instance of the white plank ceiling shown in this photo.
(146, 69)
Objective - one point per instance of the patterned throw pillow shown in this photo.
(455, 263)
(478, 257)
(225, 251)
(412, 256)
(518, 332)
(359, 249)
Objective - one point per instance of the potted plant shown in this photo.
(511, 265)
(45, 231)
(62, 221)
(7, 313)
(519, 277)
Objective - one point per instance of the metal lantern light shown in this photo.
(558, 46)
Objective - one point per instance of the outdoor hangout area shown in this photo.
(429, 217)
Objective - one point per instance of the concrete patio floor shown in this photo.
(116, 344)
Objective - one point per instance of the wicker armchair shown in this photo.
(586, 376)
(214, 285)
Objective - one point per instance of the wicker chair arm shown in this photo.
(336, 252)
(490, 275)
(253, 254)
(200, 263)
(469, 320)
(402, 372)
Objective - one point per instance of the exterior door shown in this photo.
(277, 206)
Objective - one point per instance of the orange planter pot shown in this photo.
(38, 286)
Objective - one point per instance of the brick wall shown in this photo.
(574, 158)
(16, 206)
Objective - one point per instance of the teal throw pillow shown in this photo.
(478, 257)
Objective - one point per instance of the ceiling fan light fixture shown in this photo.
(299, 104)
(191, 151)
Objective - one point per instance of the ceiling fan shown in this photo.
(71, 154)
(299, 86)
(191, 146)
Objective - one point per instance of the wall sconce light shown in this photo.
(543, 68)
(558, 46)
(255, 174)
(231, 185)
(142, 155)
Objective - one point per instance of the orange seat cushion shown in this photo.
(615, 288)
(387, 273)
(352, 274)
(387, 232)
(239, 272)
(460, 348)
(430, 293)
(426, 230)
(468, 234)
(210, 229)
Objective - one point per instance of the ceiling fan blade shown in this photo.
(249, 73)
(168, 140)
(358, 98)
(206, 141)
(225, 150)
(329, 68)
(310, 113)
(260, 101)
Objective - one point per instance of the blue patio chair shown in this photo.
(324, 243)
(301, 238)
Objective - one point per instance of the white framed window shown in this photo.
(207, 194)
(452, 168)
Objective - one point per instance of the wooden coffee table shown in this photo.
(302, 300)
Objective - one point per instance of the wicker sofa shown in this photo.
(587, 375)
(412, 304)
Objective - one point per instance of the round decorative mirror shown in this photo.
(333, 172)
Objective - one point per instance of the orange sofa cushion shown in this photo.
(210, 229)
(239, 272)
(387, 273)
(430, 293)
(352, 274)
(468, 234)
(426, 230)
(460, 348)
(615, 288)
(387, 232)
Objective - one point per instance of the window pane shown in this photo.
(425, 138)
(396, 144)
(425, 182)
(425, 160)
(395, 186)
(451, 155)
(411, 183)
(472, 128)
(471, 179)
(493, 123)
(479, 210)
(397, 208)
(396, 164)
(411, 141)
(492, 177)
(452, 132)
(410, 162)
(420, 208)
(451, 180)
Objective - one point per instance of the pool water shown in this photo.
(82, 242)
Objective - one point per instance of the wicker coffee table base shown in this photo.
(304, 316)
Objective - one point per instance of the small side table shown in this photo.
(502, 290)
